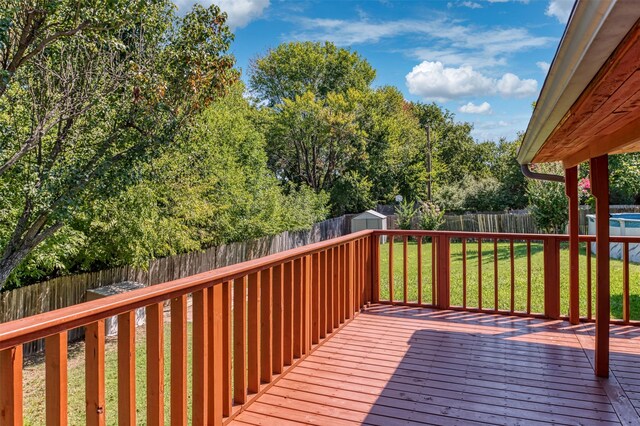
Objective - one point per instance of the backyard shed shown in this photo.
(370, 219)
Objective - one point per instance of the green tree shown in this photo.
(455, 154)
(212, 186)
(472, 195)
(351, 193)
(624, 178)
(548, 202)
(395, 146)
(88, 101)
(312, 141)
(506, 169)
(293, 69)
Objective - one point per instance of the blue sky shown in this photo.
(485, 60)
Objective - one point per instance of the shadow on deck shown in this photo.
(396, 365)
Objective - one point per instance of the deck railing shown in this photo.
(516, 274)
(250, 322)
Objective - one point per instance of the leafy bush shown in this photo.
(431, 217)
(548, 202)
(211, 187)
(405, 212)
(624, 178)
(351, 193)
(471, 194)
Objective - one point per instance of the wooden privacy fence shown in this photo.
(521, 223)
(516, 222)
(71, 289)
(505, 222)
(251, 322)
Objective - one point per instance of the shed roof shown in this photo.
(370, 214)
(589, 103)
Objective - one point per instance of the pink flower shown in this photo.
(584, 184)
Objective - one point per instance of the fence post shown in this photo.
(552, 277)
(443, 259)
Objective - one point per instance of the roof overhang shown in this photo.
(587, 106)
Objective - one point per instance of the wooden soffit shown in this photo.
(605, 119)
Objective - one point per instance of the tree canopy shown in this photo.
(125, 135)
(85, 102)
(292, 69)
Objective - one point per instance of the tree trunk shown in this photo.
(9, 262)
(26, 236)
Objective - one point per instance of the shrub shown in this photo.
(405, 212)
(476, 195)
(431, 217)
(548, 203)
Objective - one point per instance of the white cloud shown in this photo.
(452, 56)
(510, 85)
(432, 80)
(449, 41)
(471, 5)
(544, 66)
(471, 108)
(560, 9)
(240, 12)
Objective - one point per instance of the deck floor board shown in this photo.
(396, 365)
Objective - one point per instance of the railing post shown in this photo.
(552, 277)
(350, 279)
(11, 386)
(599, 170)
(571, 189)
(240, 338)
(56, 379)
(178, 399)
(443, 290)
(200, 357)
(94, 373)
(127, 366)
(375, 268)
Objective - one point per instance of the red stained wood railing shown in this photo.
(509, 258)
(253, 321)
(250, 323)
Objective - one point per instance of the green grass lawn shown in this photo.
(504, 277)
(34, 382)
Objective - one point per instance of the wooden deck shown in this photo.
(395, 365)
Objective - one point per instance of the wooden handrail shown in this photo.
(38, 326)
(42, 325)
